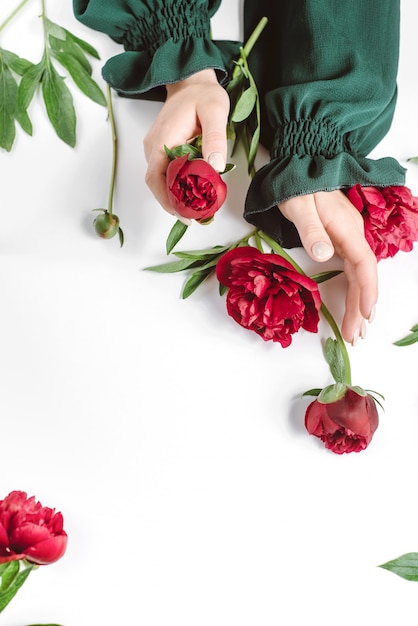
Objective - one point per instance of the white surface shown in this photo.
(171, 439)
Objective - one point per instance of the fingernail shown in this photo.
(183, 220)
(363, 329)
(372, 314)
(322, 250)
(216, 160)
(355, 337)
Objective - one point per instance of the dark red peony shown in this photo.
(30, 531)
(345, 425)
(195, 190)
(390, 218)
(267, 295)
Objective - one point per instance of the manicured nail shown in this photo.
(355, 337)
(363, 329)
(183, 220)
(372, 314)
(216, 160)
(322, 251)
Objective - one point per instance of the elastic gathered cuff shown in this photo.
(295, 175)
(308, 137)
(133, 74)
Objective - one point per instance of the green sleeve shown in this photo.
(326, 73)
(164, 41)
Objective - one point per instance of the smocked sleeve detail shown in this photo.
(164, 42)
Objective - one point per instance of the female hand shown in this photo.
(195, 106)
(328, 222)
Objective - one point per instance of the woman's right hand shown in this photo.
(195, 106)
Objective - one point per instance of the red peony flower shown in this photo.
(267, 295)
(346, 424)
(390, 218)
(195, 189)
(30, 531)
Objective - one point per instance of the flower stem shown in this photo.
(249, 45)
(276, 247)
(114, 149)
(13, 14)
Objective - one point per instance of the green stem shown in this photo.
(13, 14)
(331, 321)
(249, 45)
(114, 149)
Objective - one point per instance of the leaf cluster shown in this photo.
(244, 119)
(199, 263)
(20, 80)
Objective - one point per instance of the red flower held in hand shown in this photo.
(30, 531)
(195, 190)
(267, 295)
(390, 218)
(347, 423)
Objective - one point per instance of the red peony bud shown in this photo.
(195, 189)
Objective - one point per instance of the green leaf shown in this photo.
(28, 85)
(406, 566)
(59, 105)
(174, 236)
(185, 148)
(206, 253)
(81, 77)
(195, 280)
(12, 590)
(16, 63)
(408, 340)
(245, 104)
(171, 267)
(54, 29)
(332, 393)
(8, 575)
(8, 97)
(323, 276)
(70, 48)
(84, 45)
(414, 328)
(335, 360)
(312, 392)
(413, 159)
(24, 121)
(222, 289)
(252, 153)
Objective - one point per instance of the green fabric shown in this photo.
(325, 70)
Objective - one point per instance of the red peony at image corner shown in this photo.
(345, 425)
(195, 189)
(30, 531)
(267, 295)
(390, 217)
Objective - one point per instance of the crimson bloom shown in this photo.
(267, 295)
(390, 218)
(195, 189)
(346, 424)
(30, 531)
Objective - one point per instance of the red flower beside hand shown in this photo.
(267, 295)
(195, 189)
(390, 218)
(345, 425)
(30, 531)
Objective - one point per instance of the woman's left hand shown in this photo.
(327, 222)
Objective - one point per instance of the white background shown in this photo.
(171, 439)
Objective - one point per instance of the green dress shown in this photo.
(325, 70)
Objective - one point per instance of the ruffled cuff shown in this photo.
(310, 156)
(134, 74)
